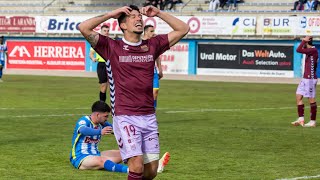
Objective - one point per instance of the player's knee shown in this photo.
(136, 165)
(312, 100)
(137, 168)
(299, 100)
(155, 93)
(100, 163)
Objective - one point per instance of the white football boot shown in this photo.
(298, 122)
(163, 162)
(311, 123)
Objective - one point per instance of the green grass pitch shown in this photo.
(213, 130)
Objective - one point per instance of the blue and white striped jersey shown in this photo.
(82, 144)
(3, 50)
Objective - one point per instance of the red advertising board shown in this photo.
(55, 55)
(17, 24)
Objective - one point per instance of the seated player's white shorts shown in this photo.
(307, 88)
(137, 136)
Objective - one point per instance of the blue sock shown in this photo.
(113, 167)
(155, 104)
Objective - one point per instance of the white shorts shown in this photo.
(307, 88)
(137, 135)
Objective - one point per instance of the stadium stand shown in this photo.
(189, 7)
(23, 7)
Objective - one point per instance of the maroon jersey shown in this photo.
(311, 61)
(130, 72)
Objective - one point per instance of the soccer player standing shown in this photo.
(3, 52)
(101, 67)
(130, 71)
(149, 33)
(307, 86)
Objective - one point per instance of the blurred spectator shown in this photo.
(234, 4)
(3, 55)
(299, 5)
(151, 2)
(214, 4)
(146, 3)
(161, 4)
(311, 5)
(316, 5)
(171, 3)
(223, 3)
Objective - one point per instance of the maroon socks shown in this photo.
(134, 176)
(313, 111)
(301, 110)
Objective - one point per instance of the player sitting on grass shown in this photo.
(86, 137)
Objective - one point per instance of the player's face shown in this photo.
(104, 31)
(150, 32)
(102, 117)
(134, 22)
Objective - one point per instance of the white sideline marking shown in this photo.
(3, 108)
(226, 110)
(303, 177)
(40, 115)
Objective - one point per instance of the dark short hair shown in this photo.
(311, 42)
(147, 26)
(123, 16)
(100, 106)
(105, 26)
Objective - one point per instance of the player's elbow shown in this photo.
(186, 29)
(83, 28)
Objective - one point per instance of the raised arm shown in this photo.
(180, 28)
(301, 48)
(87, 26)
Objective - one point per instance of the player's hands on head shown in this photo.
(106, 130)
(307, 38)
(149, 11)
(117, 13)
